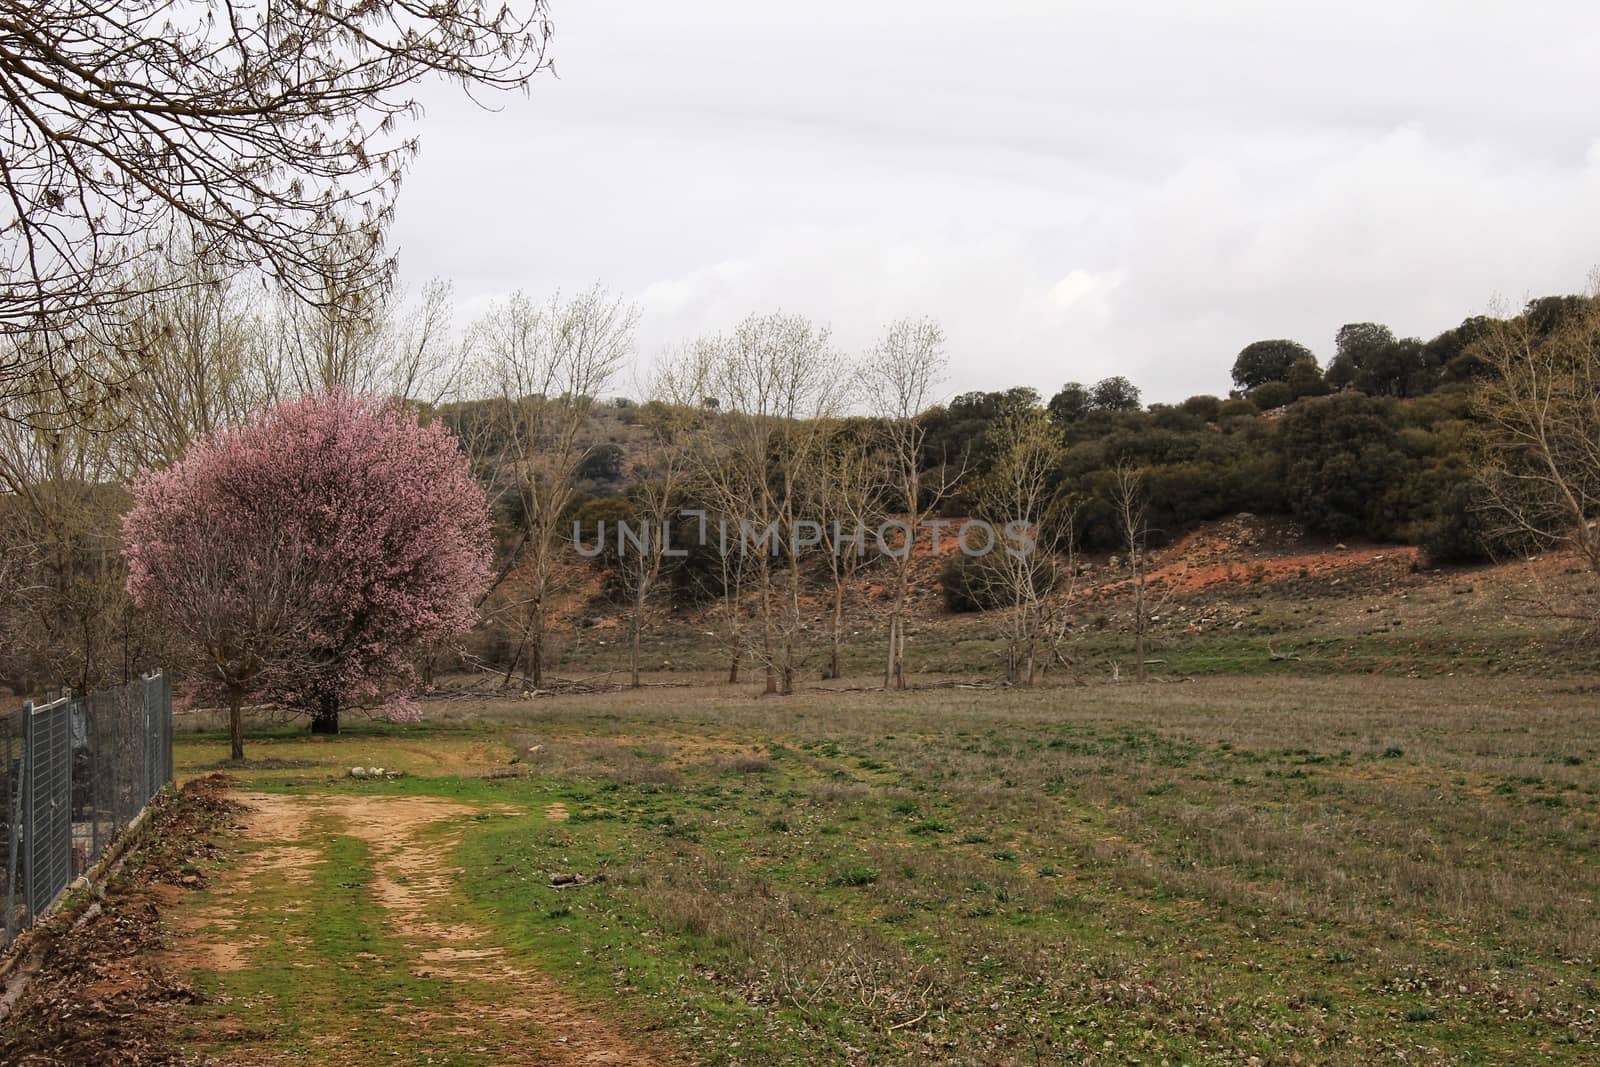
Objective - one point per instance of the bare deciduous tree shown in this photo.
(191, 361)
(656, 494)
(1030, 570)
(683, 379)
(59, 506)
(337, 331)
(776, 379)
(1539, 404)
(847, 498)
(257, 136)
(1133, 522)
(546, 364)
(903, 370)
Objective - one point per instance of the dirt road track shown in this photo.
(531, 1021)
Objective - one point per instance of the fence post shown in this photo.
(149, 742)
(166, 727)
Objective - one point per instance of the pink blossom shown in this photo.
(400, 708)
(338, 528)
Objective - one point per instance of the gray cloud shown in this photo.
(1073, 189)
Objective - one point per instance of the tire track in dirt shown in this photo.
(211, 932)
(532, 1021)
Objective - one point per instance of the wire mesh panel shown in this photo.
(156, 696)
(47, 820)
(73, 775)
(123, 763)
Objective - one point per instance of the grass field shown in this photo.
(1331, 870)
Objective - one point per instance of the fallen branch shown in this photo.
(908, 1022)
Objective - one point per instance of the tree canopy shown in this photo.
(1261, 362)
(365, 524)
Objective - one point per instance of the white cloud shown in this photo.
(1074, 190)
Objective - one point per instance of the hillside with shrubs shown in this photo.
(1396, 449)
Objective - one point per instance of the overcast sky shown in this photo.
(1073, 190)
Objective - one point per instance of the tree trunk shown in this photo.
(733, 664)
(633, 648)
(511, 668)
(894, 675)
(838, 623)
(536, 648)
(1138, 625)
(766, 627)
(236, 722)
(533, 639)
(326, 718)
(888, 664)
(900, 655)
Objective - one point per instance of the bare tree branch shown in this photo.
(255, 135)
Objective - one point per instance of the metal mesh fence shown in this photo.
(47, 752)
(77, 772)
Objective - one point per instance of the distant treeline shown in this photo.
(1379, 444)
(1376, 445)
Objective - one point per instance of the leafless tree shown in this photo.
(340, 332)
(190, 357)
(903, 370)
(255, 136)
(1133, 521)
(1539, 404)
(656, 494)
(687, 378)
(1029, 570)
(776, 379)
(546, 364)
(683, 380)
(60, 500)
(847, 499)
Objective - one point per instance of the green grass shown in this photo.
(1336, 870)
(1413, 624)
(321, 965)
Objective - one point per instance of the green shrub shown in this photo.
(855, 876)
(1203, 407)
(1271, 395)
(978, 583)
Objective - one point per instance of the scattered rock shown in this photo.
(567, 881)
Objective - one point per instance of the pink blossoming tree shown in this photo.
(309, 556)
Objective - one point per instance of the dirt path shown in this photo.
(476, 998)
